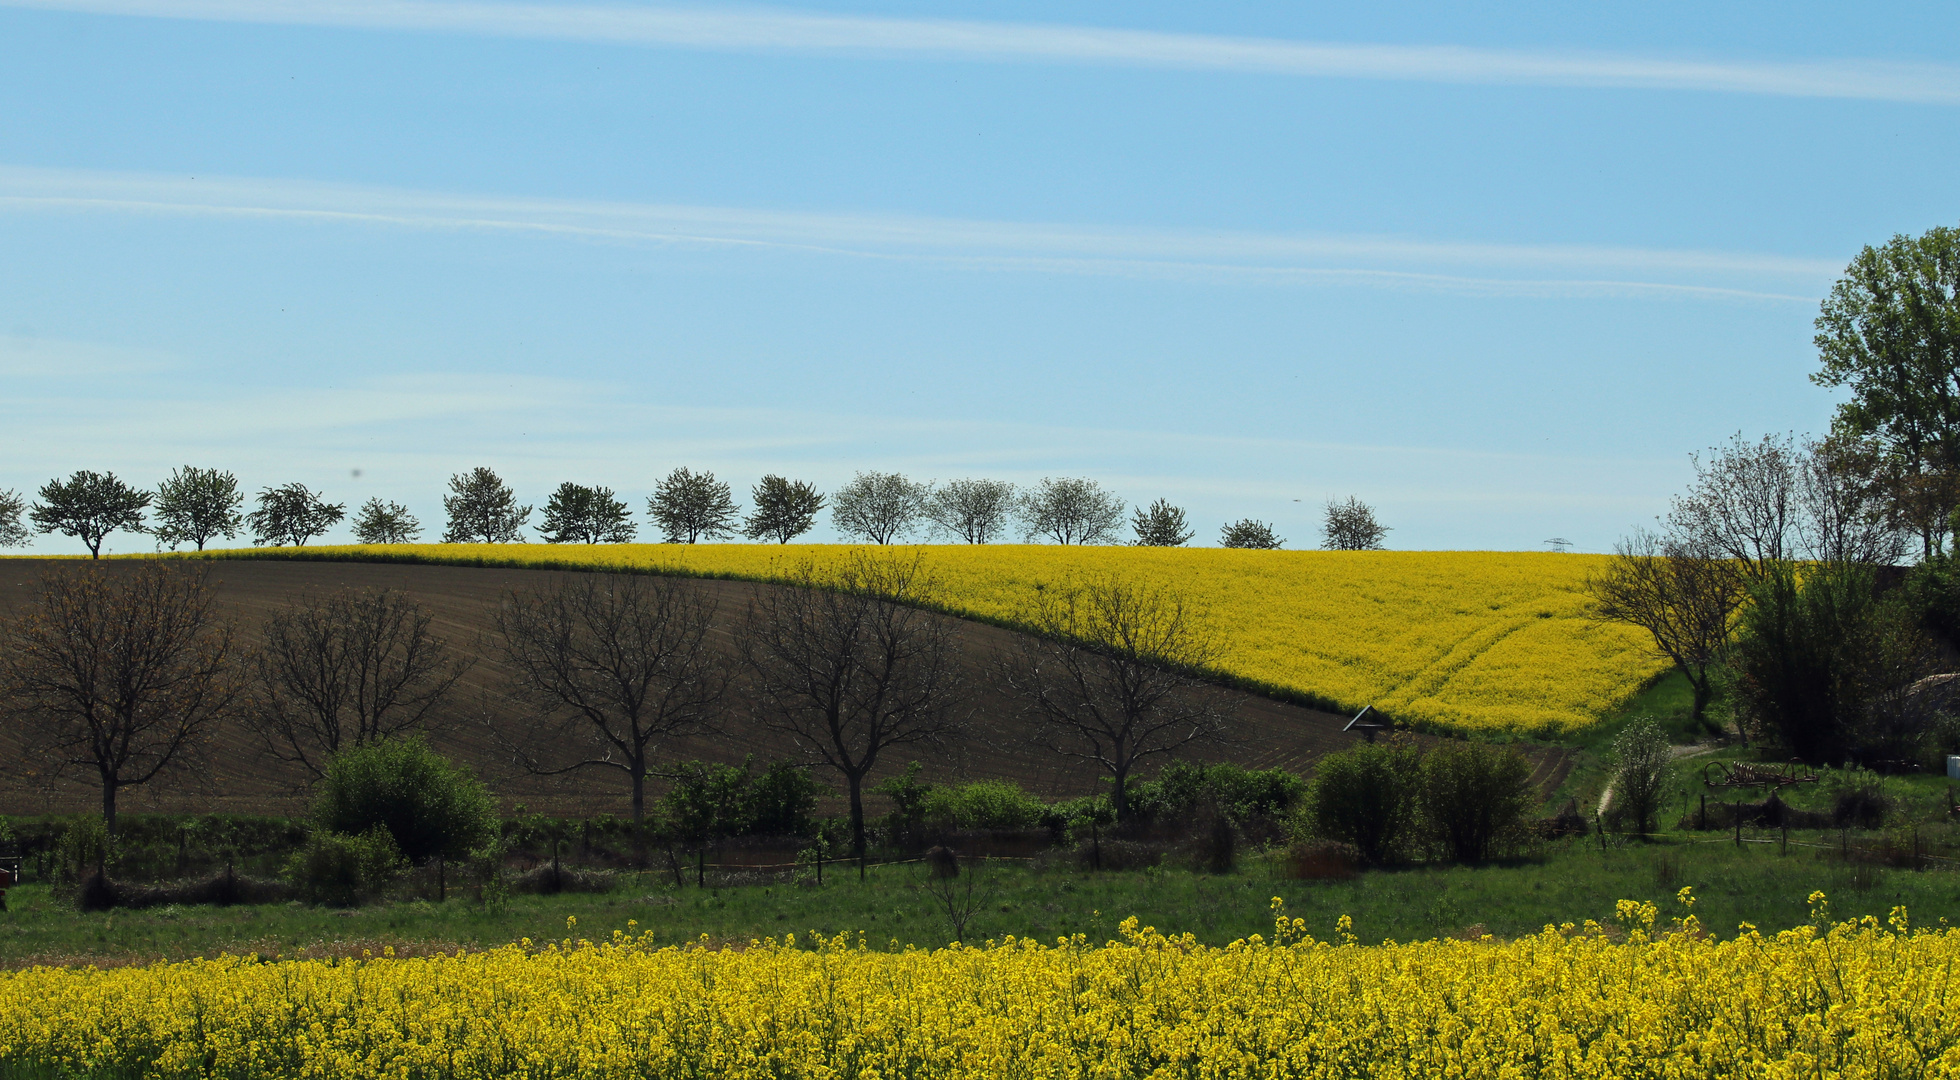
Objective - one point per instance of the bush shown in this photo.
(1640, 757)
(1474, 797)
(430, 806)
(1366, 798)
(84, 849)
(1185, 792)
(983, 804)
(1818, 662)
(342, 870)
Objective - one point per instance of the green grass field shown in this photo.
(1568, 881)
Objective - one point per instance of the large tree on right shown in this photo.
(1890, 333)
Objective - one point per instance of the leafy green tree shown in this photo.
(1890, 333)
(784, 509)
(482, 510)
(576, 514)
(690, 507)
(973, 511)
(292, 514)
(1071, 511)
(13, 533)
(878, 507)
(1474, 797)
(1366, 797)
(430, 805)
(90, 506)
(385, 523)
(197, 505)
(1247, 533)
(1641, 754)
(1162, 525)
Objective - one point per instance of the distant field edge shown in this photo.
(1450, 695)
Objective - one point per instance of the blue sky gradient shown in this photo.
(1497, 273)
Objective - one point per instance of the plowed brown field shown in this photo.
(241, 779)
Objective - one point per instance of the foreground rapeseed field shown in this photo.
(1858, 999)
(1466, 640)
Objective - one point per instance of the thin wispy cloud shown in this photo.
(1217, 256)
(776, 30)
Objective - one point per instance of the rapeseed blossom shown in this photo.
(1855, 999)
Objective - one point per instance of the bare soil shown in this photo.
(236, 776)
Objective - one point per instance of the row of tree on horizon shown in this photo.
(197, 506)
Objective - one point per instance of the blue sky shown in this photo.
(1495, 271)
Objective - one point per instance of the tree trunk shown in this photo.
(109, 806)
(855, 783)
(1119, 799)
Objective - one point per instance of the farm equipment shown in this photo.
(1747, 774)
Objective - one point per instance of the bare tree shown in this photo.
(879, 507)
(617, 664)
(1743, 504)
(1071, 511)
(1685, 596)
(973, 511)
(122, 675)
(1847, 514)
(845, 662)
(1350, 525)
(1110, 676)
(343, 670)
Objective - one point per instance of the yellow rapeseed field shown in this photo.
(1450, 639)
(1855, 1000)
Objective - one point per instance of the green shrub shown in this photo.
(1366, 798)
(342, 870)
(1185, 792)
(85, 847)
(430, 806)
(983, 804)
(1474, 797)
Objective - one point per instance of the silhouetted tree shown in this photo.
(1247, 533)
(846, 663)
(879, 507)
(974, 511)
(197, 505)
(482, 510)
(1108, 676)
(292, 514)
(690, 507)
(784, 509)
(1071, 511)
(13, 532)
(119, 674)
(385, 523)
(615, 664)
(586, 515)
(1162, 525)
(90, 506)
(345, 669)
(1351, 526)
